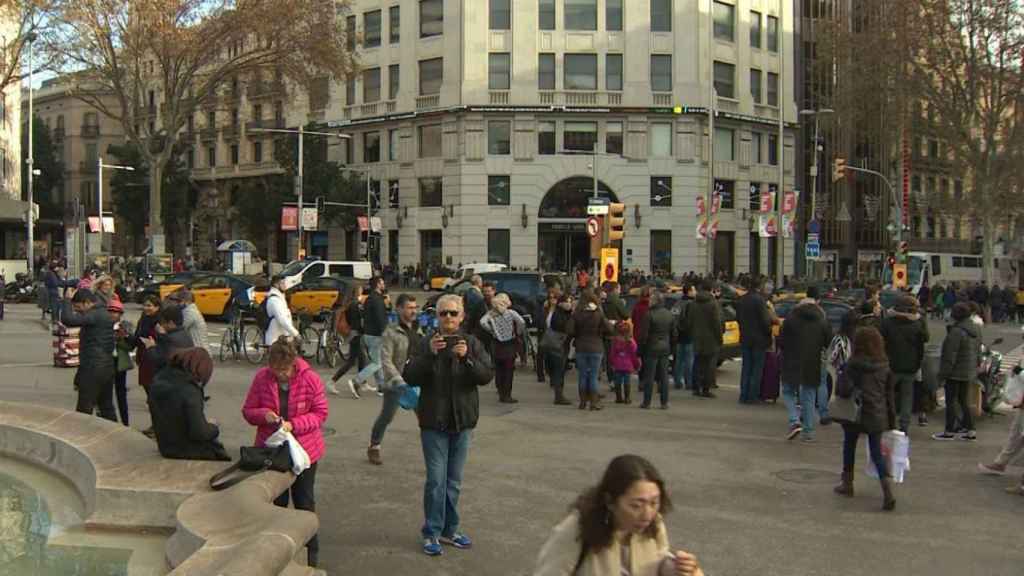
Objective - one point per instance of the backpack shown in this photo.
(263, 316)
(341, 325)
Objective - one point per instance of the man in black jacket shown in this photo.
(805, 336)
(905, 332)
(755, 322)
(176, 408)
(171, 337)
(448, 371)
(655, 342)
(95, 375)
(375, 320)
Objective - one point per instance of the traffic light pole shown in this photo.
(892, 192)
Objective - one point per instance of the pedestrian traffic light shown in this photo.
(616, 222)
(838, 169)
(891, 260)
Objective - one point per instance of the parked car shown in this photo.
(315, 294)
(215, 293)
(835, 310)
(299, 271)
(526, 289)
(168, 284)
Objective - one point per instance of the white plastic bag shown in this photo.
(896, 451)
(300, 460)
(1014, 389)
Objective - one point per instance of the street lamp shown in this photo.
(298, 185)
(817, 114)
(99, 188)
(30, 220)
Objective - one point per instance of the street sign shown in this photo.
(597, 209)
(598, 200)
(813, 227)
(609, 265)
(812, 251)
(844, 214)
(593, 227)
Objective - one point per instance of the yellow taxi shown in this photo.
(214, 293)
(315, 294)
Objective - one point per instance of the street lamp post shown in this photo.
(298, 185)
(30, 217)
(99, 188)
(815, 166)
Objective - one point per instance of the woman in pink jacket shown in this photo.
(289, 394)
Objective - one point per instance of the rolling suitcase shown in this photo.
(771, 376)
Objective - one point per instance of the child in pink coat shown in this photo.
(624, 360)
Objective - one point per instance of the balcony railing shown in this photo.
(662, 98)
(499, 97)
(368, 109)
(208, 133)
(581, 98)
(231, 130)
(264, 89)
(90, 131)
(265, 123)
(432, 101)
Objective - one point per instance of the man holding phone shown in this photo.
(450, 367)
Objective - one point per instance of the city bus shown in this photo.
(929, 268)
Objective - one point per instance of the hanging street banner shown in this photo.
(788, 225)
(766, 202)
(789, 201)
(716, 202)
(713, 232)
(702, 229)
(701, 208)
(766, 226)
(289, 218)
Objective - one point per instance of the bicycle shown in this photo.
(328, 348)
(231, 341)
(309, 336)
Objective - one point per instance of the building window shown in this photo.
(190, 160)
(371, 85)
(499, 246)
(431, 18)
(393, 194)
(661, 251)
(499, 137)
(580, 136)
(756, 140)
(580, 72)
(726, 190)
(725, 80)
(661, 72)
(257, 152)
(498, 191)
(725, 15)
(371, 29)
(371, 147)
(613, 72)
(661, 139)
(661, 15)
(501, 15)
(499, 65)
(234, 154)
(725, 144)
(613, 15)
(613, 138)
(661, 191)
(431, 248)
(394, 81)
(755, 85)
(773, 149)
(546, 72)
(350, 91)
(773, 34)
(933, 148)
(211, 156)
(431, 76)
(546, 9)
(430, 141)
(392, 144)
(430, 192)
(754, 199)
(773, 89)
(395, 22)
(546, 138)
(350, 33)
(755, 29)
(581, 14)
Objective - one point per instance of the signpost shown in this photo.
(609, 265)
(593, 227)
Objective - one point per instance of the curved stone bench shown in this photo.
(125, 483)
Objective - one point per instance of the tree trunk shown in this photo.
(156, 223)
(988, 236)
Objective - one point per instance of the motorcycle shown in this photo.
(993, 381)
(22, 290)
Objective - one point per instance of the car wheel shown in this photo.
(426, 286)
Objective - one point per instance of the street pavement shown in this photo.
(747, 502)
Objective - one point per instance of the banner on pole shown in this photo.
(766, 226)
(701, 208)
(789, 201)
(702, 229)
(788, 225)
(289, 218)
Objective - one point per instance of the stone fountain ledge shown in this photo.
(125, 484)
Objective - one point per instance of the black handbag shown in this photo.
(253, 460)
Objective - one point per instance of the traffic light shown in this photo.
(616, 222)
(892, 261)
(838, 169)
(319, 203)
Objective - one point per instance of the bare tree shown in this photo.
(966, 66)
(22, 18)
(164, 60)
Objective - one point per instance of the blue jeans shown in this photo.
(621, 382)
(374, 368)
(750, 374)
(444, 454)
(823, 394)
(804, 415)
(387, 413)
(682, 368)
(587, 366)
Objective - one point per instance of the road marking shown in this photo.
(26, 365)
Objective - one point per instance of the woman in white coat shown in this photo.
(278, 312)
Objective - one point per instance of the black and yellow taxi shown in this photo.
(313, 295)
(215, 293)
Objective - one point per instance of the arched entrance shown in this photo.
(563, 243)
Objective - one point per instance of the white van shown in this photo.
(468, 270)
(301, 270)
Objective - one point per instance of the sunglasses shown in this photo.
(448, 313)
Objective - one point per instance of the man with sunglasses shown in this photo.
(402, 341)
(448, 369)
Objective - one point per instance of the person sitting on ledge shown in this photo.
(176, 408)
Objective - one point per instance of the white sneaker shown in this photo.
(332, 389)
(353, 387)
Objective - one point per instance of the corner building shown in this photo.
(477, 119)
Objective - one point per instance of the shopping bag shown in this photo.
(300, 459)
(896, 451)
(1014, 389)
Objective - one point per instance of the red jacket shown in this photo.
(307, 407)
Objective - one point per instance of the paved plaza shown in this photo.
(747, 502)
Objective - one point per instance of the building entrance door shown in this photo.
(563, 246)
(562, 243)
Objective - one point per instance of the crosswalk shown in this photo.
(1012, 358)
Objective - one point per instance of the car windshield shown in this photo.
(294, 267)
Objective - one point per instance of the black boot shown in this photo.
(845, 487)
(560, 399)
(888, 500)
(619, 399)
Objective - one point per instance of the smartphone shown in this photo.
(451, 341)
